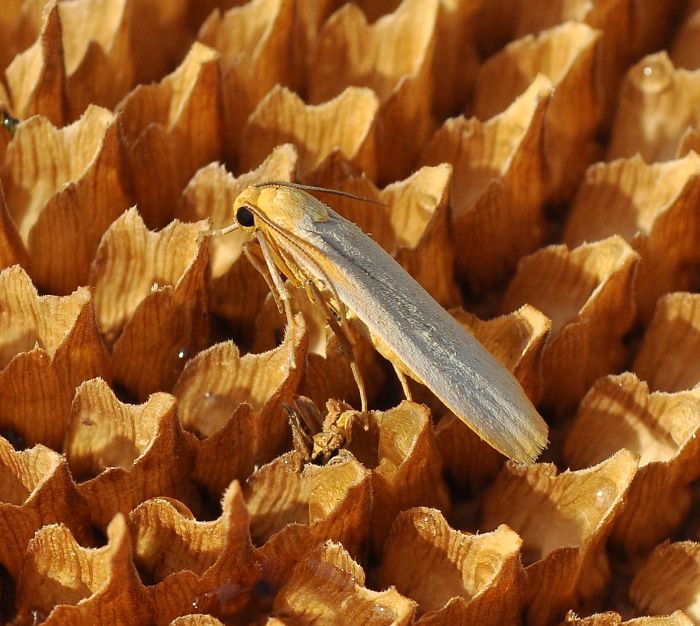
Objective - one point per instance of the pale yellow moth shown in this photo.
(353, 278)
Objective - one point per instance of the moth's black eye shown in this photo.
(244, 216)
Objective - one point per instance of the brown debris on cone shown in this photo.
(125, 453)
(236, 404)
(666, 358)
(456, 578)
(327, 588)
(150, 299)
(662, 428)
(497, 187)
(564, 521)
(64, 187)
(587, 293)
(654, 208)
(48, 346)
(315, 130)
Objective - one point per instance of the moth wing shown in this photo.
(427, 340)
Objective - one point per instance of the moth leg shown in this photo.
(360, 385)
(312, 293)
(272, 277)
(263, 270)
(275, 275)
(343, 335)
(404, 383)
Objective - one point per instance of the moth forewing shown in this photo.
(411, 327)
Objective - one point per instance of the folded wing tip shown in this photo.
(528, 440)
(518, 432)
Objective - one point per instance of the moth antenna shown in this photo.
(335, 192)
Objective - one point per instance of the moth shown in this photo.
(353, 278)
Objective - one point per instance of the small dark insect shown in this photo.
(10, 123)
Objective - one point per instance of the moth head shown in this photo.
(280, 204)
(245, 208)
